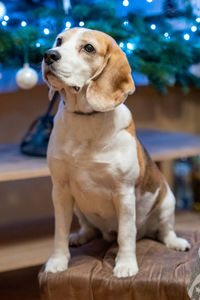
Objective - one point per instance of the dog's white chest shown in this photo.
(97, 163)
(91, 186)
(92, 180)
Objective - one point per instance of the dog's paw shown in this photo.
(125, 267)
(173, 242)
(56, 264)
(178, 244)
(81, 237)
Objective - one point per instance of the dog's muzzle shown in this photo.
(50, 56)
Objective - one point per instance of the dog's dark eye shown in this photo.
(89, 48)
(58, 42)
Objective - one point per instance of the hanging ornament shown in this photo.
(26, 77)
(2, 9)
(66, 5)
(195, 70)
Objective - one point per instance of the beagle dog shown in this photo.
(98, 167)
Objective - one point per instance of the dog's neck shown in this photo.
(99, 128)
(88, 125)
(76, 101)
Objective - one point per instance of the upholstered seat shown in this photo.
(164, 274)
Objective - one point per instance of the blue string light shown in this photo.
(81, 23)
(68, 24)
(46, 31)
(167, 36)
(4, 23)
(125, 3)
(194, 28)
(149, 1)
(198, 20)
(37, 45)
(23, 23)
(130, 46)
(126, 23)
(186, 36)
(153, 26)
(6, 18)
(121, 44)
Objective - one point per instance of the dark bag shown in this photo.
(36, 139)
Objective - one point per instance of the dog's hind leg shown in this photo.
(166, 233)
(86, 232)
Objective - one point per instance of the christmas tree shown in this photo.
(165, 47)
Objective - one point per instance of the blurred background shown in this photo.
(161, 39)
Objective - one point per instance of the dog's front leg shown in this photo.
(63, 206)
(126, 262)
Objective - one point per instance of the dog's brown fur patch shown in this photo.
(150, 178)
(160, 198)
(131, 128)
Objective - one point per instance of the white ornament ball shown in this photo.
(26, 77)
(195, 70)
(2, 9)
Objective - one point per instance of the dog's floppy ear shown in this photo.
(111, 85)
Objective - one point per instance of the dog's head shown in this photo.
(90, 59)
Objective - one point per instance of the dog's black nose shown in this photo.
(50, 56)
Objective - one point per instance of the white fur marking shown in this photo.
(56, 264)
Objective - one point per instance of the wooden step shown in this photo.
(25, 244)
(165, 145)
(15, 165)
(31, 244)
(161, 145)
(25, 254)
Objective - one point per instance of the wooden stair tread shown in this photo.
(25, 254)
(25, 244)
(161, 145)
(17, 253)
(14, 165)
(165, 145)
